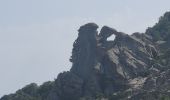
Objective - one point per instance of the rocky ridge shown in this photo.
(130, 67)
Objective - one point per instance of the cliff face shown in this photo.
(131, 67)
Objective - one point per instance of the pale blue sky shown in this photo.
(36, 36)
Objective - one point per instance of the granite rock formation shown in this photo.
(130, 67)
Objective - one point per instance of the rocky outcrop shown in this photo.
(85, 51)
(130, 67)
(106, 67)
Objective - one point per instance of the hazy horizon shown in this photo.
(36, 36)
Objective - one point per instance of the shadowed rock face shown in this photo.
(85, 50)
(107, 66)
(101, 66)
(127, 68)
(106, 32)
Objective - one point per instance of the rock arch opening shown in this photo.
(111, 38)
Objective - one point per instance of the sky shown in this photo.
(36, 36)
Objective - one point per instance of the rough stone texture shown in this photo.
(131, 67)
(84, 51)
(70, 86)
(125, 64)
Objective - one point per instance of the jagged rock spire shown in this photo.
(84, 50)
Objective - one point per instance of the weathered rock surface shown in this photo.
(131, 67)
